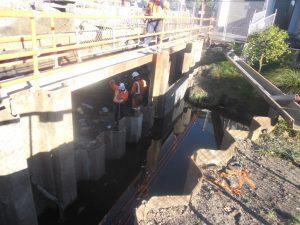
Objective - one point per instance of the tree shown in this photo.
(265, 47)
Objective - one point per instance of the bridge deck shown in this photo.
(78, 75)
(289, 110)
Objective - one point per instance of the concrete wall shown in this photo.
(133, 127)
(39, 141)
(16, 199)
(90, 162)
(115, 143)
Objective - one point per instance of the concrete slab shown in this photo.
(239, 134)
(144, 211)
(206, 157)
(260, 125)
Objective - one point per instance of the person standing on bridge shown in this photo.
(138, 91)
(119, 100)
(155, 8)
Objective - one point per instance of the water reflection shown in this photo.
(182, 122)
(167, 167)
(153, 155)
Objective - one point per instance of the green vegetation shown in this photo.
(222, 85)
(224, 69)
(266, 47)
(270, 54)
(283, 142)
(284, 76)
(272, 215)
(200, 95)
(295, 220)
(232, 82)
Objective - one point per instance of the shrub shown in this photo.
(265, 47)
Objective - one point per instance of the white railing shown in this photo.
(262, 24)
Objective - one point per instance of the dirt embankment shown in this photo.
(220, 87)
(269, 193)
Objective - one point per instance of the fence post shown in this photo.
(162, 33)
(56, 64)
(138, 28)
(34, 47)
(275, 14)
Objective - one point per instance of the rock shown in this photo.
(80, 111)
(259, 125)
(104, 109)
(87, 106)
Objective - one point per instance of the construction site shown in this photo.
(112, 114)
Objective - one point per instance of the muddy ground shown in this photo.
(274, 200)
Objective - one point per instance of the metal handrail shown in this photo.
(35, 53)
(66, 15)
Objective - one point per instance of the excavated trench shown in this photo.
(156, 165)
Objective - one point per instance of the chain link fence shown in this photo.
(234, 18)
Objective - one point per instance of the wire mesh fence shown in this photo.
(234, 18)
(51, 40)
(261, 24)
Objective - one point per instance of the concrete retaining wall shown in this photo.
(90, 162)
(38, 144)
(133, 127)
(115, 143)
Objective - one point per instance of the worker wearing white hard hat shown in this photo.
(119, 100)
(138, 90)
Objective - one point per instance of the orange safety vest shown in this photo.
(156, 7)
(139, 87)
(120, 96)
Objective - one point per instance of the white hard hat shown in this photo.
(122, 87)
(135, 74)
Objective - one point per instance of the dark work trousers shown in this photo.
(153, 26)
(119, 109)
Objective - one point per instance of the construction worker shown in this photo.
(138, 90)
(119, 100)
(155, 8)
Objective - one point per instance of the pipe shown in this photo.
(286, 98)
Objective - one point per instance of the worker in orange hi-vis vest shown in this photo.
(155, 8)
(119, 100)
(138, 90)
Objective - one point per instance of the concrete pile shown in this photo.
(90, 160)
(115, 143)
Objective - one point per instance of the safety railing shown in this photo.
(39, 41)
